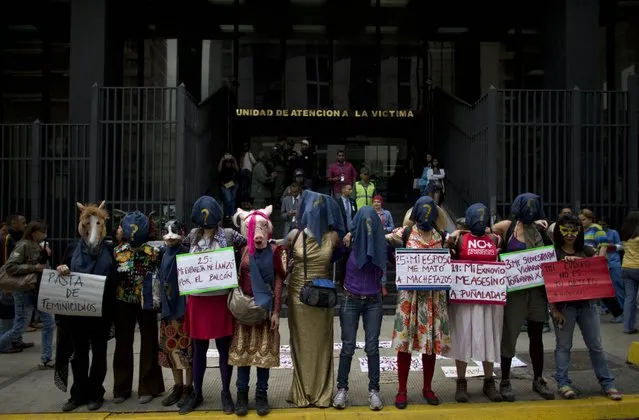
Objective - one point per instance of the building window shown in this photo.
(318, 78)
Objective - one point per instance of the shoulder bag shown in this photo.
(320, 293)
(243, 307)
(25, 283)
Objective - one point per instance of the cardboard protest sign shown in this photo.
(582, 279)
(422, 269)
(524, 267)
(78, 294)
(478, 282)
(206, 271)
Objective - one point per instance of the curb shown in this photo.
(587, 408)
(633, 353)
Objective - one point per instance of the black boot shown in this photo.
(261, 403)
(227, 403)
(174, 396)
(241, 408)
(194, 401)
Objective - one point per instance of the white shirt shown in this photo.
(248, 160)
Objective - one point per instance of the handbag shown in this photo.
(243, 307)
(25, 283)
(320, 293)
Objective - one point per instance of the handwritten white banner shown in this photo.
(474, 282)
(206, 271)
(524, 267)
(423, 269)
(78, 294)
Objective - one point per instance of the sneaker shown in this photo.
(461, 393)
(70, 406)
(11, 350)
(341, 398)
(613, 393)
(632, 331)
(95, 404)
(490, 390)
(541, 387)
(145, 399)
(618, 320)
(506, 391)
(121, 399)
(375, 401)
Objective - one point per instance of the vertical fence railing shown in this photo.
(574, 148)
(138, 130)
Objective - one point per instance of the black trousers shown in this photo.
(88, 334)
(150, 378)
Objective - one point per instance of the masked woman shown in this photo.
(86, 335)
(207, 316)
(475, 328)
(261, 275)
(136, 263)
(311, 328)
(569, 246)
(530, 305)
(421, 318)
(176, 350)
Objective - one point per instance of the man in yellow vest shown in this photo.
(364, 190)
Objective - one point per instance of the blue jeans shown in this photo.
(371, 311)
(23, 312)
(228, 199)
(587, 317)
(244, 375)
(617, 283)
(631, 285)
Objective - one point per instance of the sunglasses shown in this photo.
(569, 231)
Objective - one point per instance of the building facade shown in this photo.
(128, 95)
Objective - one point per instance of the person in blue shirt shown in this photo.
(615, 248)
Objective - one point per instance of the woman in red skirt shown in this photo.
(207, 316)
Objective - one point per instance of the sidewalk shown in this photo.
(25, 389)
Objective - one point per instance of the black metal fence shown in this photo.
(574, 148)
(145, 148)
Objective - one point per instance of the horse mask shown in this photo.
(92, 225)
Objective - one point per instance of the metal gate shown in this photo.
(145, 148)
(574, 148)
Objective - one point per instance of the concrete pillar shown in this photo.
(341, 83)
(87, 56)
(490, 65)
(388, 94)
(572, 45)
(246, 94)
(296, 95)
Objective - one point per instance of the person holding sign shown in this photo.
(207, 317)
(261, 275)
(136, 260)
(475, 328)
(519, 234)
(421, 317)
(364, 286)
(176, 350)
(83, 334)
(569, 246)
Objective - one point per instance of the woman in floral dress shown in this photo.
(421, 317)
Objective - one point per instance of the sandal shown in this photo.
(46, 366)
(567, 393)
(613, 394)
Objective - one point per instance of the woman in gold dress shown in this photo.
(311, 328)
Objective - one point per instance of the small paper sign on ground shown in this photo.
(471, 371)
(474, 282)
(206, 271)
(524, 267)
(78, 294)
(422, 269)
(582, 279)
